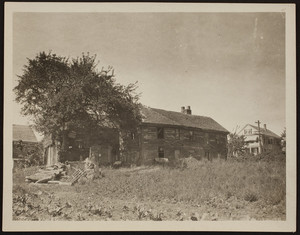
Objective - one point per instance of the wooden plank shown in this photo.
(53, 182)
(44, 180)
(65, 183)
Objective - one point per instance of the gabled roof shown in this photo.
(160, 116)
(263, 131)
(24, 133)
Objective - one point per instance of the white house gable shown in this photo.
(267, 141)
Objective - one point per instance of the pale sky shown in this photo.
(228, 66)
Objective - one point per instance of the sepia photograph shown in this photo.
(135, 116)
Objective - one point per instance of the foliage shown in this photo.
(283, 134)
(236, 144)
(268, 156)
(29, 154)
(61, 94)
(283, 140)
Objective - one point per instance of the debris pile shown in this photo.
(46, 174)
(59, 174)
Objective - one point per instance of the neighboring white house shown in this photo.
(268, 140)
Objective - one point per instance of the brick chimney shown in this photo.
(265, 126)
(186, 110)
(183, 109)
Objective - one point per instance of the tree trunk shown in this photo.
(63, 147)
(121, 147)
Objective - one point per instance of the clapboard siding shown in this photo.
(177, 142)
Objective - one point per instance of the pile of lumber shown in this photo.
(50, 173)
(70, 180)
(58, 174)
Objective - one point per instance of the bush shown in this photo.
(28, 154)
(275, 155)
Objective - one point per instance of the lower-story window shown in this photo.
(161, 152)
(207, 154)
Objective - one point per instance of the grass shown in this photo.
(197, 185)
(217, 187)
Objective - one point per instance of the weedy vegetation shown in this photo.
(237, 189)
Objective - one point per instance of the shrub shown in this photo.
(28, 154)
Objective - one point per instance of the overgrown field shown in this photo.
(218, 190)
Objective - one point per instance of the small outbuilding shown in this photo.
(23, 138)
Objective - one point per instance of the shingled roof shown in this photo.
(160, 116)
(264, 131)
(24, 133)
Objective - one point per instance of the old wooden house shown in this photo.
(173, 135)
(104, 146)
(161, 134)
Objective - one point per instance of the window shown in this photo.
(177, 134)
(217, 139)
(132, 135)
(79, 144)
(207, 138)
(160, 132)
(161, 152)
(248, 131)
(207, 155)
(191, 135)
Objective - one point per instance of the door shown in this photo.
(177, 154)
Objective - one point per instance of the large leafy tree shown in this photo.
(236, 144)
(59, 94)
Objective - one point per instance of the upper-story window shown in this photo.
(191, 135)
(247, 131)
(177, 134)
(132, 135)
(207, 138)
(160, 132)
(217, 139)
